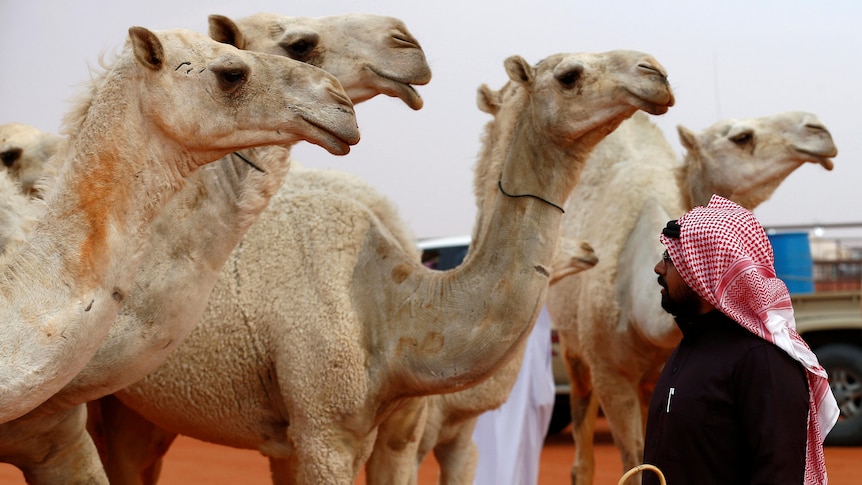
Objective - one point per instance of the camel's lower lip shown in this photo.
(401, 88)
(825, 162)
(338, 138)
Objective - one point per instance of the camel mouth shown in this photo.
(401, 88)
(653, 107)
(654, 101)
(825, 162)
(333, 141)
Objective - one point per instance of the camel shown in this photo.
(216, 208)
(450, 419)
(131, 143)
(613, 332)
(24, 151)
(367, 326)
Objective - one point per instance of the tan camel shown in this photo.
(65, 286)
(365, 325)
(613, 332)
(24, 151)
(221, 201)
(451, 418)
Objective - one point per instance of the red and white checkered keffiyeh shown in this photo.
(723, 254)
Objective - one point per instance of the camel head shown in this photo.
(745, 160)
(24, 151)
(368, 54)
(607, 86)
(573, 256)
(566, 102)
(249, 98)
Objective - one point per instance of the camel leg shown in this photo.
(458, 457)
(319, 453)
(621, 401)
(131, 447)
(584, 408)
(393, 460)
(53, 449)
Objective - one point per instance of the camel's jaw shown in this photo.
(401, 88)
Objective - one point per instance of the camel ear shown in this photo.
(224, 30)
(688, 139)
(488, 100)
(518, 69)
(147, 48)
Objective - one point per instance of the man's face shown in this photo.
(677, 298)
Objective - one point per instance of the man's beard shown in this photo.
(684, 303)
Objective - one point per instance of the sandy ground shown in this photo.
(194, 462)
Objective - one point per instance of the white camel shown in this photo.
(331, 336)
(203, 223)
(613, 332)
(64, 287)
(24, 151)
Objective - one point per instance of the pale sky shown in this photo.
(727, 59)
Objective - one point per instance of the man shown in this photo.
(742, 399)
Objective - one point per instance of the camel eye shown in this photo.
(9, 157)
(569, 77)
(232, 76)
(300, 49)
(742, 138)
(300, 46)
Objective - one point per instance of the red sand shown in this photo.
(194, 462)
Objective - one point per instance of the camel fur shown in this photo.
(319, 358)
(614, 335)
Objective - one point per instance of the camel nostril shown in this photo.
(653, 69)
(341, 96)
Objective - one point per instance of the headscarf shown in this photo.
(723, 254)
